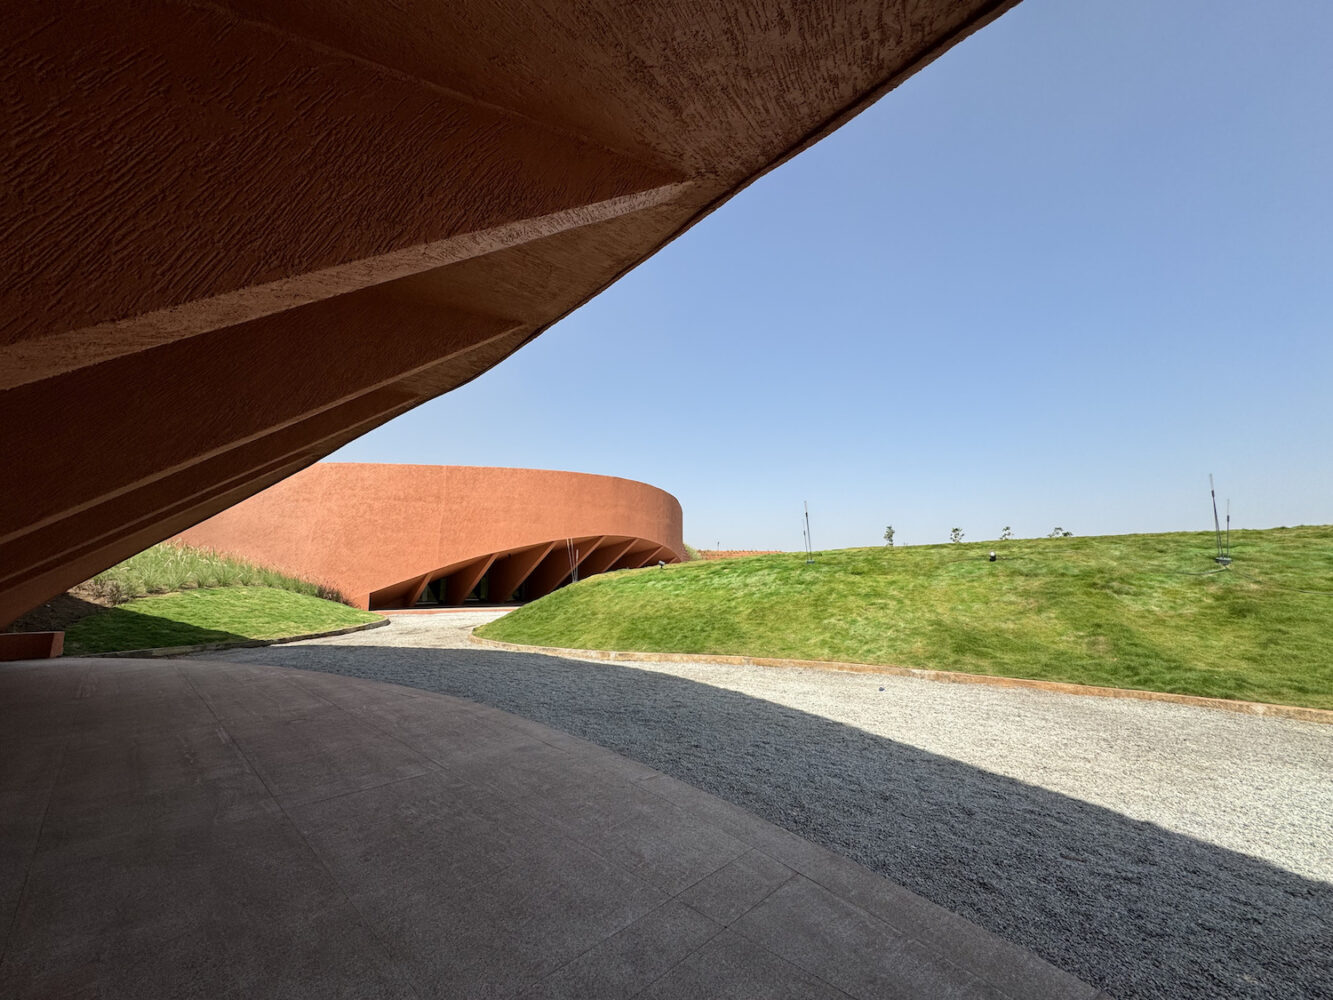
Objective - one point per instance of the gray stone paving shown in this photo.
(1156, 850)
(194, 828)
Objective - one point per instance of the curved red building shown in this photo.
(389, 535)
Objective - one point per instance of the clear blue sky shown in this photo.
(1058, 277)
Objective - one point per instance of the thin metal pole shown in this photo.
(809, 545)
(1217, 527)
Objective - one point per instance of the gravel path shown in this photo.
(1155, 850)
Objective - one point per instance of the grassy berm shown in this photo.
(1133, 611)
(206, 616)
(166, 568)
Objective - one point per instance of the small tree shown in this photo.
(1059, 532)
(955, 534)
(1006, 534)
(888, 536)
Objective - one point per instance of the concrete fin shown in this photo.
(607, 555)
(509, 572)
(461, 582)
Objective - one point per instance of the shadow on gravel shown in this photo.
(1125, 905)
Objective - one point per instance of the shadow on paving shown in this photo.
(56, 615)
(1125, 905)
(119, 629)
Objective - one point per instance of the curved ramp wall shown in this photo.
(387, 535)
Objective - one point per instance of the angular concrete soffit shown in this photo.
(461, 582)
(560, 564)
(633, 557)
(507, 326)
(287, 451)
(652, 556)
(589, 546)
(548, 563)
(418, 589)
(32, 360)
(290, 457)
(633, 184)
(461, 97)
(608, 555)
(526, 560)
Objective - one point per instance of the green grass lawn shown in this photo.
(1118, 611)
(214, 615)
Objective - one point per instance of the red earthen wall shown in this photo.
(383, 531)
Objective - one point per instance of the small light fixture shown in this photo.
(992, 556)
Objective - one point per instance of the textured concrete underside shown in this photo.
(200, 828)
(239, 235)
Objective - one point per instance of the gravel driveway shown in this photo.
(1155, 850)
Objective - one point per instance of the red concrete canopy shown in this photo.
(238, 234)
(387, 535)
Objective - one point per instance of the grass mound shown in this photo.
(166, 568)
(200, 616)
(1135, 611)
